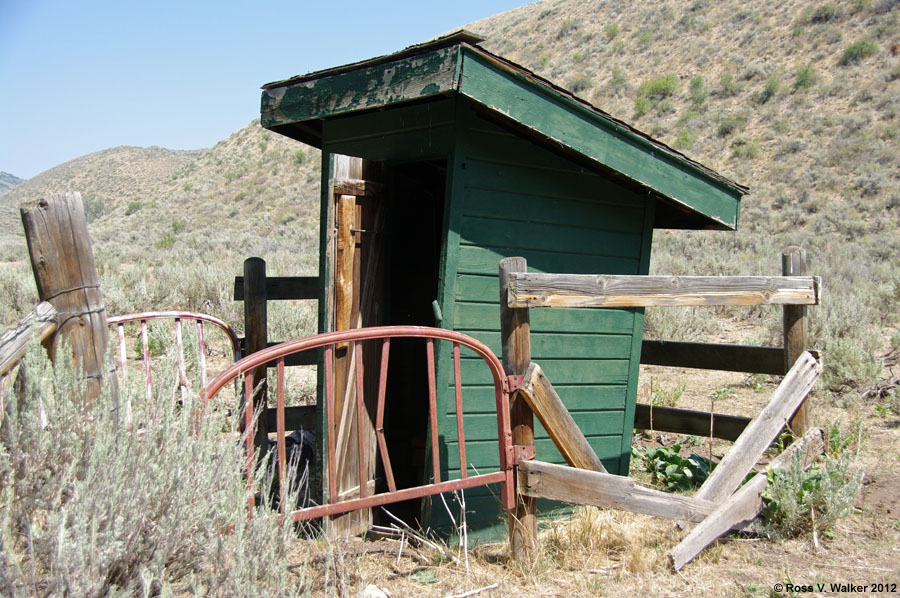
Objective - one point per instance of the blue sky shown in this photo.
(78, 76)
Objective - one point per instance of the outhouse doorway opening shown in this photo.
(414, 241)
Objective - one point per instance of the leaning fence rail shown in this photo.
(353, 339)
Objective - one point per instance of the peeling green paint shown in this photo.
(381, 85)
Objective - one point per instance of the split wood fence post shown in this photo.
(515, 336)
(256, 339)
(796, 330)
(66, 277)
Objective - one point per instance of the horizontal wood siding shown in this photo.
(419, 131)
(515, 199)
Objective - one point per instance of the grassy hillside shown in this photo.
(8, 181)
(798, 100)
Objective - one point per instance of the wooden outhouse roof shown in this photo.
(693, 196)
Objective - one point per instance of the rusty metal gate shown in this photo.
(354, 339)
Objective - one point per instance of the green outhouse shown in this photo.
(464, 158)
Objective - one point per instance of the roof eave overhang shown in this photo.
(692, 195)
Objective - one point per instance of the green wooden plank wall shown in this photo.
(512, 198)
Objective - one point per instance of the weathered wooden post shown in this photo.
(66, 277)
(515, 334)
(256, 339)
(796, 330)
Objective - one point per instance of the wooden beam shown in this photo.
(357, 187)
(578, 486)
(590, 290)
(706, 356)
(66, 276)
(283, 288)
(760, 432)
(796, 329)
(255, 339)
(743, 506)
(686, 421)
(14, 342)
(515, 337)
(556, 419)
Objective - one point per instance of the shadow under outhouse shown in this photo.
(467, 158)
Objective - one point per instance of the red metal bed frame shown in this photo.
(355, 338)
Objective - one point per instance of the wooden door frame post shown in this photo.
(256, 339)
(63, 263)
(796, 331)
(515, 336)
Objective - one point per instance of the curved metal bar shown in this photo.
(331, 339)
(184, 315)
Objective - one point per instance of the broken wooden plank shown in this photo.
(708, 356)
(686, 421)
(744, 505)
(590, 290)
(760, 432)
(283, 288)
(556, 419)
(14, 341)
(559, 482)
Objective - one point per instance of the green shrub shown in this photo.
(858, 51)
(769, 91)
(698, 90)
(299, 157)
(611, 30)
(167, 241)
(619, 80)
(806, 78)
(133, 207)
(662, 397)
(685, 139)
(659, 87)
(728, 87)
(825, 13)
(800, 501)
(580, 83)
(731, 124)
(642, 106)
(567, 27)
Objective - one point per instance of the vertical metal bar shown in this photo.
(432, 412)
(123, 361)
(249, 433)
(202, 347)
(379, 417)
(182, 375)
(460, 431)
(279, 425)
(123, 366)
(329, 424)
(145, 348)
(360, 433)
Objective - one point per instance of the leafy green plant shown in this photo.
(745, 150)
(685, 139)
(133, 207)
(731, 124)
(728, 86)
(611, 30)
(806, 78)
(659, 87)
(699, 92)
(580, 83)
(672, 470)
(769, 90)
(800, 501)
(858, 51)
(825, 13)
(663, 397)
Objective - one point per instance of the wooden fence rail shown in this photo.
(14, 341)
(589, 290)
